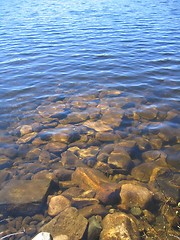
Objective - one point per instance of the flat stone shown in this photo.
(83, 202)
(98, 126)
(24, 197)
(135, 195)
(88, 152)
(27, 138)
(68, 222)
(77, 117)
(55, 147)
(65, 135)
(106, 137)
(96, 209)
(119, 226)
(72, 192)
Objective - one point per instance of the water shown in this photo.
(61, 50)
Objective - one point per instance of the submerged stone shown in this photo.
(106, 191)
(135, 195)
(119, 226)
(164, 183)
(94, 228)
(57, 204)
(68, 222)
(24, 197)
(120, 160)
(93, 210)
(98, 126)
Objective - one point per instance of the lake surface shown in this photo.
(66, 63)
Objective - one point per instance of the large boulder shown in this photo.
(68, 222)
(24, 197)
(119, 226)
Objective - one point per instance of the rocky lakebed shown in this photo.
(103, 166)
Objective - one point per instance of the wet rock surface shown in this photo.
(17, 196)
(113, 158)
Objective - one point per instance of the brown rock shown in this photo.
(57, 204)
(27, 138)
(134, 195)
(98, 126)
(65, 135)
(44, 156)
(148, 113)
(120, 160)
(63, 174)
(68, 222)
(24, 196)
(154, 155)
(87, 178)
(119, 226)
(25, 129)
(83, 202)
(143, 171)
(68, 158)
(92, 210)
(72, 192)
(55, 147)
(106, 137)
(33, 154)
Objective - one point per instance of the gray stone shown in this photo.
(69, 222)
(24, 197)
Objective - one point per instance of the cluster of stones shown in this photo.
(104, 166)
